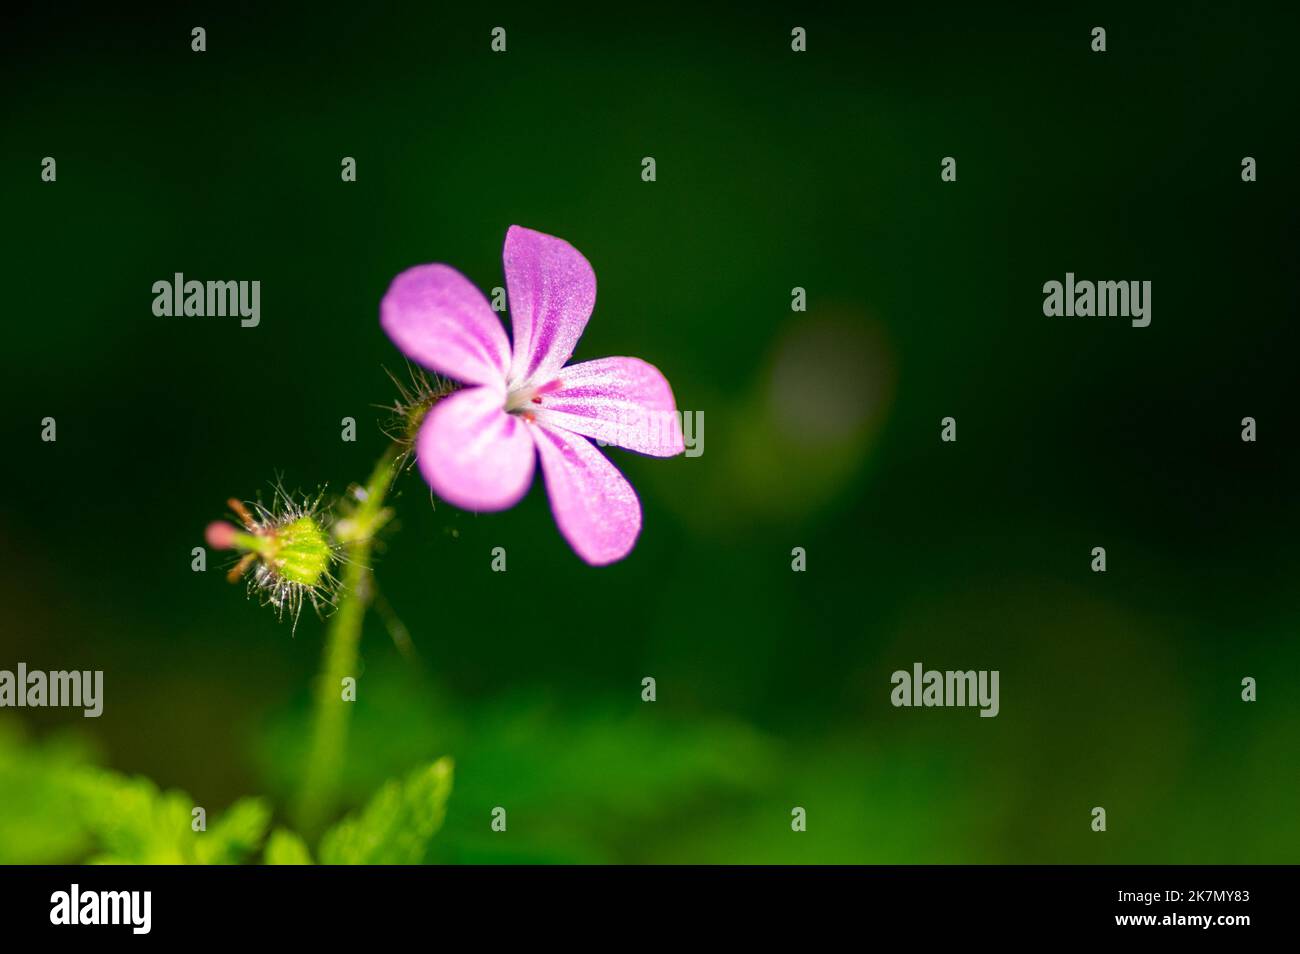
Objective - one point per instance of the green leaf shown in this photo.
(131, 821)
(56, 806)
(134, 823)
(286, 848)
(37, 785)
(396, 826)
(236, 835)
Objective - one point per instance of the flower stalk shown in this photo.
(355, 532)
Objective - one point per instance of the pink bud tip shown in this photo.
(220, 535)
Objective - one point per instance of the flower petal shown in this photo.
(473, 454)
(437, 318)
(552, 291)
(623, 401)
(595, 507)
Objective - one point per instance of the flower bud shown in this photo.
(301, 551)
(289, 549)
(414, 400)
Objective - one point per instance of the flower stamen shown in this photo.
(520, 398)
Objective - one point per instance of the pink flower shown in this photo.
(476, 447)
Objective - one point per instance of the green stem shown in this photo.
(356, 532)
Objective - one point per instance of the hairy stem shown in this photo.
(356, 532)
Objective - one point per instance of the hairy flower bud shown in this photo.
(414, 399)
(289, 549)
(301, 552)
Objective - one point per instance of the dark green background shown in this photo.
(775, 169)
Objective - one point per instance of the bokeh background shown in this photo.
(775, 170)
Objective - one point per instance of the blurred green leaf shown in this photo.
(37, 783)
(58, 807)
(286, 848)
(135, 823)
(236, 834)
(395, 828)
